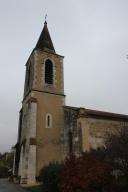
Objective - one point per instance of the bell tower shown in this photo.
(48, 76)
(41, 117)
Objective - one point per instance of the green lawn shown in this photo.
(34, 188)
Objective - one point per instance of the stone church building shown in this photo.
(48, 129)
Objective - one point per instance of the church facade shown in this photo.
(48, 129)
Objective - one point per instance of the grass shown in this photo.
(34, 188)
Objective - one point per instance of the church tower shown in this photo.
(41, 117)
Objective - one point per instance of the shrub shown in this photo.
(49, 175)
(3, 172)
(86, 173)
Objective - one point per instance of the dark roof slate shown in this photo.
(45, 41)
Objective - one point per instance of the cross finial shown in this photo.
(46, 19)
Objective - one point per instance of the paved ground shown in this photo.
(6, 186)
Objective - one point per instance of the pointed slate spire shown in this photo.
(45, 41)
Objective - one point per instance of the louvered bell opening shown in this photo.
(48, 72)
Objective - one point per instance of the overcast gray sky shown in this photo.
(93, 37)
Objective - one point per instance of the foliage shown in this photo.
(3, 172)
(117, 155)
(86, 172)
(117, 152)
(6, 159)
(6, 162)
(49, 175)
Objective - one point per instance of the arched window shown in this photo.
(48, 120)
(48, 72)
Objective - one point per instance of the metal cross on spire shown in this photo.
(46, 18)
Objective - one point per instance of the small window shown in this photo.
(48, 72)
(28, 77)
(70, 142)
(28, 80)
(48, 120)
(80, 138)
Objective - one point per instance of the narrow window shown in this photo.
(48, 120)
(70, 142)
(80, 138)
(48, 72)
(28, 77)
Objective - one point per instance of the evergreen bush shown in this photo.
(3, 172)
(49, 176)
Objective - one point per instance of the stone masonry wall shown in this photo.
(100, 129)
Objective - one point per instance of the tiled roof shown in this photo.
(99, 114)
